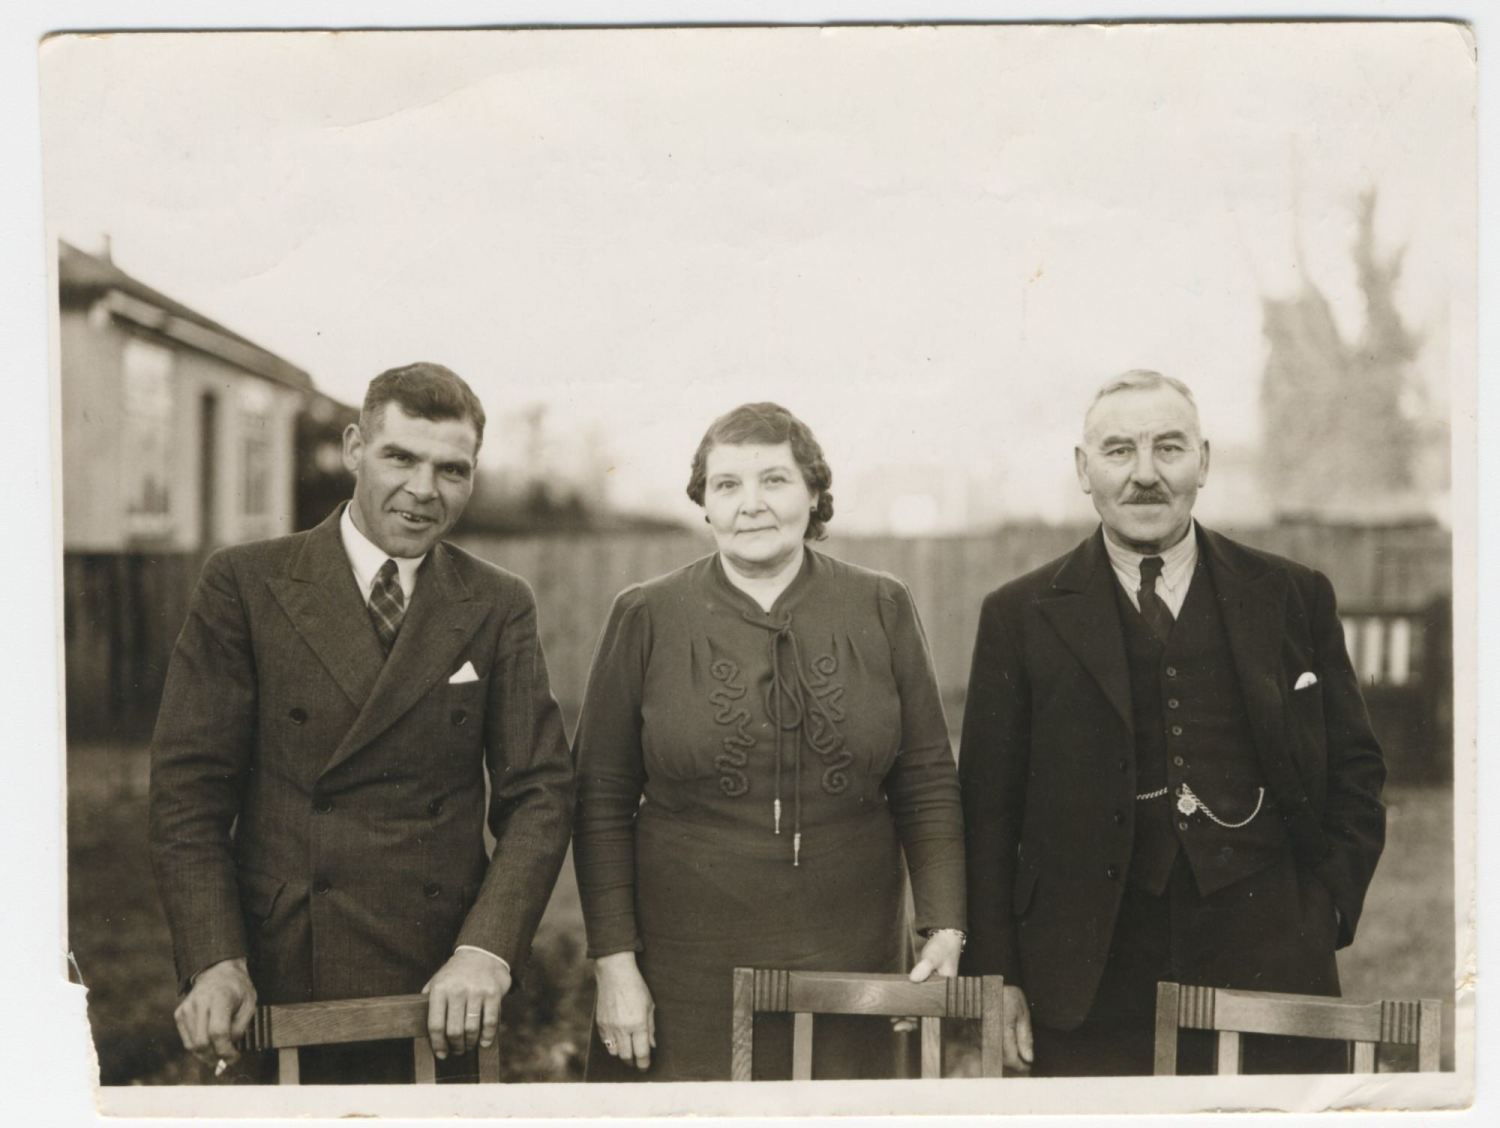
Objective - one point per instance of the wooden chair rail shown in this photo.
(286, 1027)
(1366, 1025)
(806, 993)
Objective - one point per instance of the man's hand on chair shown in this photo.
(1017, 1044)
(216, 1011)
(463, 1002)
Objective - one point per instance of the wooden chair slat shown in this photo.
(992, 1019)
(1168, 1004)
(1235, 1013)
(825, 993)
(424, 1065)
(342, 1020)
(1307, 1017)
(932, 1047)
(489, 1063)
(1429, 1047)
(742, 1033)
(805, 993)
(802, 1046)
(1228, 1052)
(287, 1027)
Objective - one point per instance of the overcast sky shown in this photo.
(930, 243)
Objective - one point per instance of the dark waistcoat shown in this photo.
(1192, 737)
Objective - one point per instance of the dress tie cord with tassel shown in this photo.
(794, 701)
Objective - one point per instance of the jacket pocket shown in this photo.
(259, 893)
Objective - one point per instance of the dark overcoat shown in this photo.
(320, 807)
(1047, 768)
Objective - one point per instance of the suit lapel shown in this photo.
(326, 608)
(441, 620)
(1085, 613)
(1252, 606)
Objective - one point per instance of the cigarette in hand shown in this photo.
(220, 1068)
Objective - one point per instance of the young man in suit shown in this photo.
(1168, 771)
(334, 706)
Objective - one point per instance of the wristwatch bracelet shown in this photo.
(963, 937)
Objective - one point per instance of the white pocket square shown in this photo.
(466, 673)
(1305, 679)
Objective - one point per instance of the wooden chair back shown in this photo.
(806, 993)
(1366, 1026)
(287, 1027)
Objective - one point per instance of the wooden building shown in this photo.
(178, 435)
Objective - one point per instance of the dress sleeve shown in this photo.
(611, 774)
(922, 785)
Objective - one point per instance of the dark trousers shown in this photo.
(1172, 937)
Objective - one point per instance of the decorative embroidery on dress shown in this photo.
(827, 741)
(728, 712)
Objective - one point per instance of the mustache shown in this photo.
(1147, 497)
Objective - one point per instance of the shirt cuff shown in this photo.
(484, 951)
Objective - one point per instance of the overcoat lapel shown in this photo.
(441, 620)
(1252, 606)
(1085, 613)
(326, 608)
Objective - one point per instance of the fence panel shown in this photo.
(122, 612)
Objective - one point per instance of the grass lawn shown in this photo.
(1405, 944)
(119, 938)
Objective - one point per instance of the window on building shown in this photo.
(147, 432)
(1372, 650)
(1386, 649)
(1399, 665)
(255, 451)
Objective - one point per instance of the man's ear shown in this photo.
(1203, 465)
(354, 445)
(1081, 465)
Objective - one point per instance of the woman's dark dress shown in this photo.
(676, 844)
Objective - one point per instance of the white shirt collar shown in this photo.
(366, 559)
(1177, 564)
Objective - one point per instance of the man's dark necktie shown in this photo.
(1153, 608)
(387, 604)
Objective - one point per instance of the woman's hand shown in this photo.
(623, 1011)
(939, 954)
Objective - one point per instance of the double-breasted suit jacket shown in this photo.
(1050, 784)
(320, 807)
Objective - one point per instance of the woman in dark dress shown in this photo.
(761, 742)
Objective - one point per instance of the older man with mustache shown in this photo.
(1168, 771)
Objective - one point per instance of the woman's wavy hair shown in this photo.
(769, 424)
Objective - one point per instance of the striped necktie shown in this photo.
(1153, 607)
(387, 604)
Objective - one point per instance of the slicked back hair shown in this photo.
(1141, 380)
(426, 390)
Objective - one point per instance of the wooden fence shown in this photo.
(576, 578)
(122, 613)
